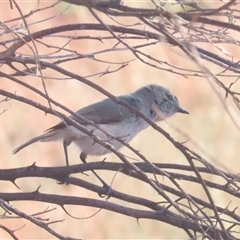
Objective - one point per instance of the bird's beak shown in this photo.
(182, 110)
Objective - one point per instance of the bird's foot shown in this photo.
(64, 180)
(108, 191)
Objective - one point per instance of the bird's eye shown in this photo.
(170, 97)
(152, 113)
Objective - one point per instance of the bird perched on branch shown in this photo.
(113, 120)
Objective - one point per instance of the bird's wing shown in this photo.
(104, 112)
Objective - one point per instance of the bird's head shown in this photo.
(164, 104)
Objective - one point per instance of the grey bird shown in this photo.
(155, 102)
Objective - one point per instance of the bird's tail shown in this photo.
(42, 138)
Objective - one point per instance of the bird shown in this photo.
(117, 121)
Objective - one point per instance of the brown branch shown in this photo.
(61, 200)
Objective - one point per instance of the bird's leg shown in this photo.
(65, 145)
(83, 158)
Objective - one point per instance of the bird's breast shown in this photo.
(159, 115)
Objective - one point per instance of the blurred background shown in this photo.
(208, 128)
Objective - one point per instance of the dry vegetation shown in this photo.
(182, 182)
